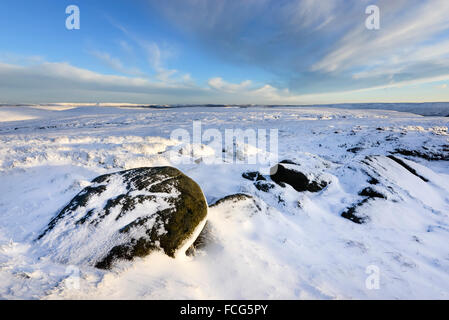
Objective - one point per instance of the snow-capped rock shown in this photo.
(125, 215)
(291, 173)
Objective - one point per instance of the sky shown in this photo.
(224, 52)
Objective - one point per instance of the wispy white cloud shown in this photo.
(221, 85)
(156, 58)
(126, 47)
(321, 45)
(407, 28)
(155, 55)
(115, 63)
(19, 59)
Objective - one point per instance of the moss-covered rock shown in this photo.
(125, 215)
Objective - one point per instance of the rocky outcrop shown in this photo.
(253, 176)
(288, 172)
(125, 215)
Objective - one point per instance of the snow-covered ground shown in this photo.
(280, 244)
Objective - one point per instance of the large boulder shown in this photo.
(291, 173)
(125, 215)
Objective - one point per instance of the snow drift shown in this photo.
(386, 170)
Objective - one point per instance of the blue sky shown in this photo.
(224, 51)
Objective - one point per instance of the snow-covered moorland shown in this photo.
(387, 172)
